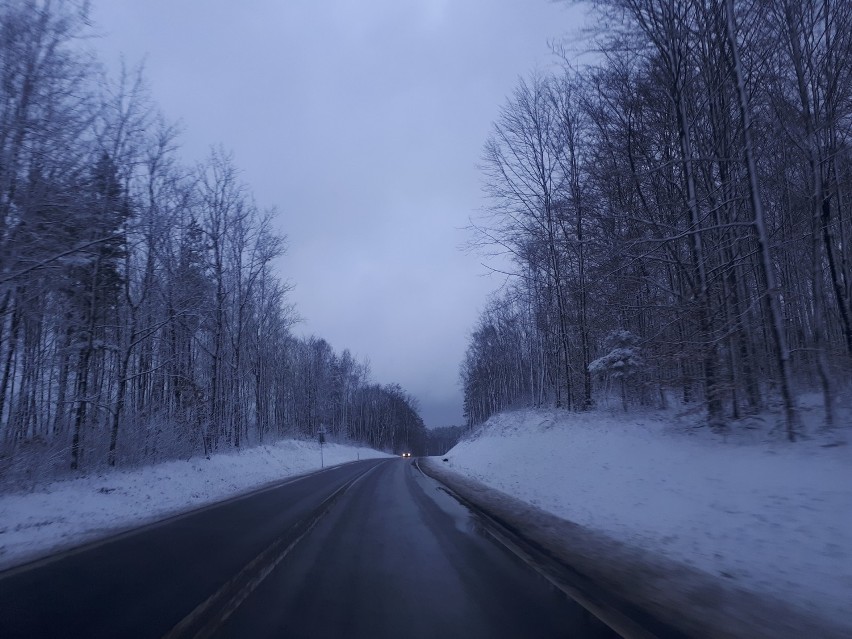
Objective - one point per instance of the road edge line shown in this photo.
(122, 532)
(527, 551)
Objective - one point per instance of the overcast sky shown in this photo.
(362, 122)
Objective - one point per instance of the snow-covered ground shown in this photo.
(71, 512)
(752, 509)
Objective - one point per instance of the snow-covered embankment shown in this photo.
(70, 512)
(752, 512)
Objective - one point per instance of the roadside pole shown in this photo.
(321, 442)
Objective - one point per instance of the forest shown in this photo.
(675, 214)
(142, 312)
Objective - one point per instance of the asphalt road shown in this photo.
(370, 549)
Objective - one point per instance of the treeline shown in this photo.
(141, 317)
(677, 215)
(440, 440)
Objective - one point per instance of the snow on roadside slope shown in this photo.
(70, 512)
(767, 515)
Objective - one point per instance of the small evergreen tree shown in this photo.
(622, 362)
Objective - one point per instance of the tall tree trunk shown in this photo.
(771, 291)
(709, 354)
(11, 344)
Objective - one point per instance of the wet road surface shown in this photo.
(369, 549)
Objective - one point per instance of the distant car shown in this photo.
(406, 454)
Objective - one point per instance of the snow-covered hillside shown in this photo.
(71, 512)
(761, 513)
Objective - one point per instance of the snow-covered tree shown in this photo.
(622, 361)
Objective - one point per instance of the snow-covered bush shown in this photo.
(623, 360)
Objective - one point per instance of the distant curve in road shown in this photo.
(370, 549)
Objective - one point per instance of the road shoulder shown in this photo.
(678, 596)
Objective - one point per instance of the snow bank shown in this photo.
(70, 512)
(761, 514)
